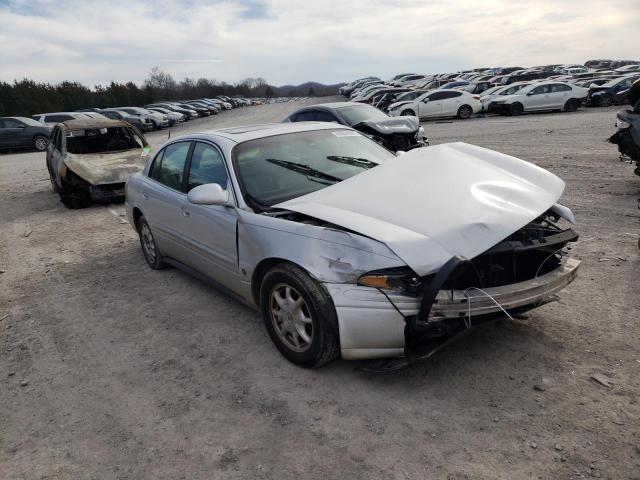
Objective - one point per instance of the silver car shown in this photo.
(347, 248)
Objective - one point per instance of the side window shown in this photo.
(168, 167)
(540, 90)
(436, 96)
(325, 117)
(306, 116)
(207, 166)
(11, 123)
(57, 140)
(57, 118)
(450, 95)
(559, 87)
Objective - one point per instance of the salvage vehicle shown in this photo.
(605, 95)
(497, 92)
(157, 119)
(347, 249)
(628, 124)
(541, 96)
(23, 132)
(90, 160)
(53, 118)
(440, 104)
(393, 133)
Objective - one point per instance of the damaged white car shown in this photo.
(90, 160)
(347, 249)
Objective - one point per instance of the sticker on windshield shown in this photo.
(345, 133)
(146, 151)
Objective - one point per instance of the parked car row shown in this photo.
(35, 132)
(512, 90)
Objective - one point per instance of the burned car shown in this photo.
(90, 160)
(347, 249)
(393, 133)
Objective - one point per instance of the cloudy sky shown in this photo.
(292, 41)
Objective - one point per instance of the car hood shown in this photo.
(399, 104)
(392, 125)
(106, 168)
(431, 204)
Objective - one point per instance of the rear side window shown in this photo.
(168, 167)
(325, 117)
(207, 166)
(305, 117)
(57, 118)
(11, 123)
(437, 96)
(559, 87)
(450, 95)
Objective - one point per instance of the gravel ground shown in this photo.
(110, 370)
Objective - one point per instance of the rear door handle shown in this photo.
(145, 195)
(186, 213)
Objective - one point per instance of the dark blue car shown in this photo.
(607, 94)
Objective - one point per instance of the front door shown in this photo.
(210, 230)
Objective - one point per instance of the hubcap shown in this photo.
(148, 244)
(41, 143)
(291, 318)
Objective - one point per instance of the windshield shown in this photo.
(102, 140)
(357, 114)
(513, 89)
(275, 169)
(491, 90)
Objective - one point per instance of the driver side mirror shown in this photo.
(208, 194)
(425, 100)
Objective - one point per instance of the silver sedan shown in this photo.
(347, 248)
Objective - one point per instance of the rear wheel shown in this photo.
(464, 112)
(408, 113)
(571, 105)
(148, 243)
(40, 143)
(516, 108)
(299, 316)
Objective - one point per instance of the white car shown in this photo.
(440, 103)
(495, 93)
(541, 96)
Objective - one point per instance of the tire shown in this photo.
(150, 250)
(40, 143)
(606, 101)
(464, 112)
(516, 109)
(408, 113)
(299, 316)
(571, 105)
(74, 197)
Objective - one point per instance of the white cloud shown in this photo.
(287, 41)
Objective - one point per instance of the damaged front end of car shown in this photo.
(396, 134)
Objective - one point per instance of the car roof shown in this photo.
(89, 122)
(252, 132)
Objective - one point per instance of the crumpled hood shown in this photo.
(105, 168)
(433, 203)
(392, 125)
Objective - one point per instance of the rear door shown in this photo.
(559, 93)
(55, 155)
(210, 230)
(451, 102)
(164, 200)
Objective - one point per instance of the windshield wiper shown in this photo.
(304, 170)
(355, 161)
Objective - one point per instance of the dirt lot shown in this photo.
(110, 370)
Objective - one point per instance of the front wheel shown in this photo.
(299, 316)
(516, 109)
(464, 112)
(408, 113)
(606, 101)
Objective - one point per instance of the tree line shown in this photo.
(27, 97)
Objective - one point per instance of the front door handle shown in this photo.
(145, 195)
(186, 213)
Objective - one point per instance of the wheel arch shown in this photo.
(261, 270)
(137, 215)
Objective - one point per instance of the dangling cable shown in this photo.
(468, 325)
(545, 260)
